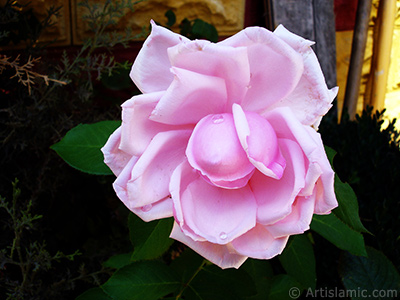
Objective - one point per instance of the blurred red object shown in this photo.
(345, 12)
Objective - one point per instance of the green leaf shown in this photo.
(263, 286)
(372, 277)
(338, 233)
(171, 18)
(261, 273)
(204, 30)
(298, 260)
(347, 211)
(284, 287)
(257, 268)
(150, 239)
(185, 27)
(94, 294)
(80, 147)
(330, 153)
(213, 283)
(145, 280)
(187, 264)
(118, 261)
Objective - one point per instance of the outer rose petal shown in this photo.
(211, 59)
(150, 71)
(275, 197)
(115, 158)
(221, 255)
(137, 129)
(287, 126)
(311, 98)
(158, 210)
(325, 195)
(274, 66)
(298, 221)
(190, 97)
(151, 174)
(215, 214)
(259, 243)
(120, 184)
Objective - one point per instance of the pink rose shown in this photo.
(223, 139)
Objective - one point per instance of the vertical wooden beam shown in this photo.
(325, 34)
(296, 16)
(313, 20)
(357, 58)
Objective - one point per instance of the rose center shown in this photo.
(214, 149)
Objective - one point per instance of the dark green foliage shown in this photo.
(29, 258)
(198, 29)
(141, 280)
(338, 233)
(81, 146)
(368, 158)
(150, 240)
(171, 18)
(80, 212)
(193, 29)
(298, 260)
(371, 274)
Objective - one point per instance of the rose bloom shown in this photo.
(224, 139)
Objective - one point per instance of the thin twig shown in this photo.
(24, 72)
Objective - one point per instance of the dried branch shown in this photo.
(25, 73)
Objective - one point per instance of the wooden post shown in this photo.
(357, 58)
(313, 20)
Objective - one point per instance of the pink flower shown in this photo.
(224, 139)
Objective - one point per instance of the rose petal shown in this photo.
(221, 255)
(325, 194)
(150, 71)
(287, 126)
(176, 187)
(311, 99)
(137, 129)
(115, 158)
(150, 176)
(298, 221)
(210, 59)
(158, 210)
(120, 184)
(190, 97)
(275, 197)
(259, 141)
(214, 149)
(218, 215)
(274, 66)
(259, 243)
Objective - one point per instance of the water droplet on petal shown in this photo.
(223, 236)
(217, 119)
(146, 208)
